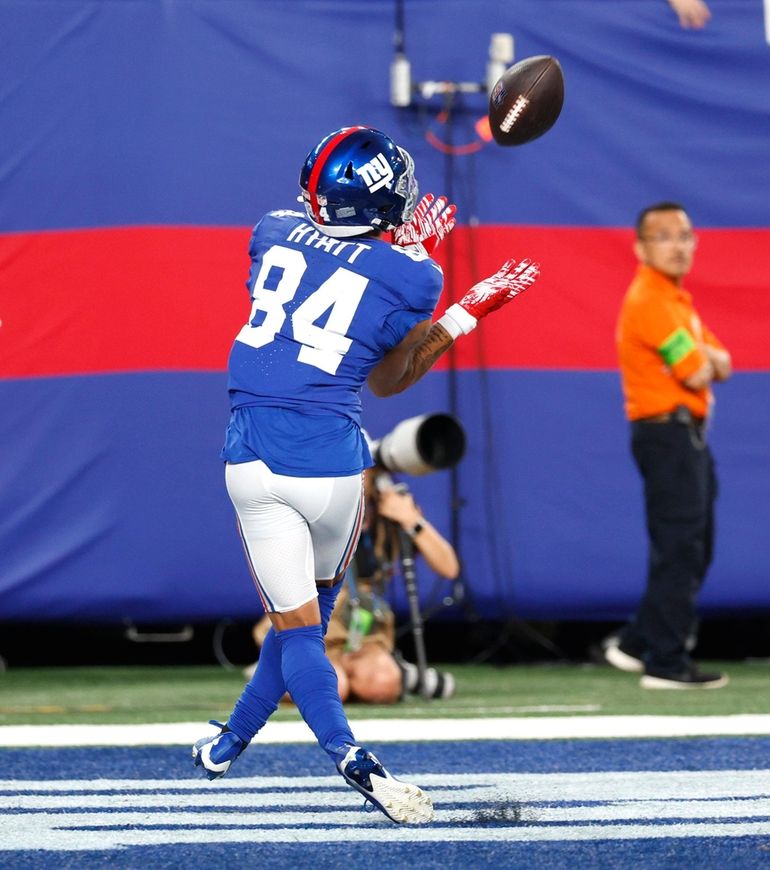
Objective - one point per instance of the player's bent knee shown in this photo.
(301, 617)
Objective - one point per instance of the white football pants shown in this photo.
(295, 530)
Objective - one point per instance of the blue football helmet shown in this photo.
(356, 180)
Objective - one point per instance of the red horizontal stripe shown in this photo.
(116, 300)
(567, 319)
(170, 298)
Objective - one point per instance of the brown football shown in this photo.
(526, 100)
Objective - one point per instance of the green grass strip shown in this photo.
(150, 694)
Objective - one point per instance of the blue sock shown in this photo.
(262, 694)
(327, 597)
(259, 699)
(312, 683)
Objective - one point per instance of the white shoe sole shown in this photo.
(401, 801)
(648, 682)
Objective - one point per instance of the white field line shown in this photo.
(400, 730)
(474, 710)
(99, 815)
(630, 811)
(79, 840)
(260, 790)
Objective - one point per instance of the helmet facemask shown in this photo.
(407, 187)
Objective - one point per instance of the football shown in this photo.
(526, 100)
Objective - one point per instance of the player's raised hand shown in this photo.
(488, 295)
(432, 221)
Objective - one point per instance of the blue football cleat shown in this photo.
(216, 753)
(400, 801)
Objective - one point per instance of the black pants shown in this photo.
(679, 492)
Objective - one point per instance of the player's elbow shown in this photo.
(377, 390)
(383, 387)
(380, 389)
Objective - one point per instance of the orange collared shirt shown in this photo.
(658, 337)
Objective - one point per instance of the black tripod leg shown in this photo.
(410, 583)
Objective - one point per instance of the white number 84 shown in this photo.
(322, 346)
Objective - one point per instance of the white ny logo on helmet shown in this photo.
(376, 173)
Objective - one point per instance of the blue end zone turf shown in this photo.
(483, 756)
(549, 804)
(738, 854)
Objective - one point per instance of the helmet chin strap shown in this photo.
(341, 232)
(336, 232)
(382, 226)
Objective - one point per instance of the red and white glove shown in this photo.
(488, 295)
(433, 220)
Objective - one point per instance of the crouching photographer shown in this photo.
(361, 636)
(360, 639)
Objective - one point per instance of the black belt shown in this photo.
(680, 414)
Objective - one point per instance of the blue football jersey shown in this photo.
(324, 312)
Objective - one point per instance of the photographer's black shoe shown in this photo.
(690, 678)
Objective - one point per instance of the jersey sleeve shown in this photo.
(256, 234)
(254, 247)
(660, 329)
(419, 289)
(264, 232)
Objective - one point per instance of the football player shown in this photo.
(333, 306)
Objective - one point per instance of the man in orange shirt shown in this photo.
(668, 361)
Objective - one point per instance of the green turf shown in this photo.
(95, 695)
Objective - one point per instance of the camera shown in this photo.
(421, 445)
